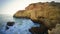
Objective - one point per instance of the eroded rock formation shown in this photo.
(55, 30)
(47, 13)
(39, 30)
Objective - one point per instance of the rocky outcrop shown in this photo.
(46, 13)
(9, 24)
(39, 30)
(55, 30)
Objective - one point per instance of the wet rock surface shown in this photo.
(9, 24)
(39, 30)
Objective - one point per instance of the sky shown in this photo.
(12, 6)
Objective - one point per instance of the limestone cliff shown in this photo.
(47, 13)
(55, 30)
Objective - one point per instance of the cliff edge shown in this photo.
(46, 13)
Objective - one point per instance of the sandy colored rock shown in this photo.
(55, 30)
(47, 13)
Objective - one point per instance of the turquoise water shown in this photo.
(21, 26)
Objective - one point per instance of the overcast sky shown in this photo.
(11, 6)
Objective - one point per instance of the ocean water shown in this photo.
(21, 25)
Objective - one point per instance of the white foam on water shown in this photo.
(18, 28)
(21, 26)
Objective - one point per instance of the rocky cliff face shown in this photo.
(47, 13)
(55, 30)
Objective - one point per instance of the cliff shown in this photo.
(55, 30)
(46, 13)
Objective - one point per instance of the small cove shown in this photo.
(21, 26)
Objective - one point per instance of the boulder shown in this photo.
(9, 24)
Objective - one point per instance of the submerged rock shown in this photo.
(9, 24)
